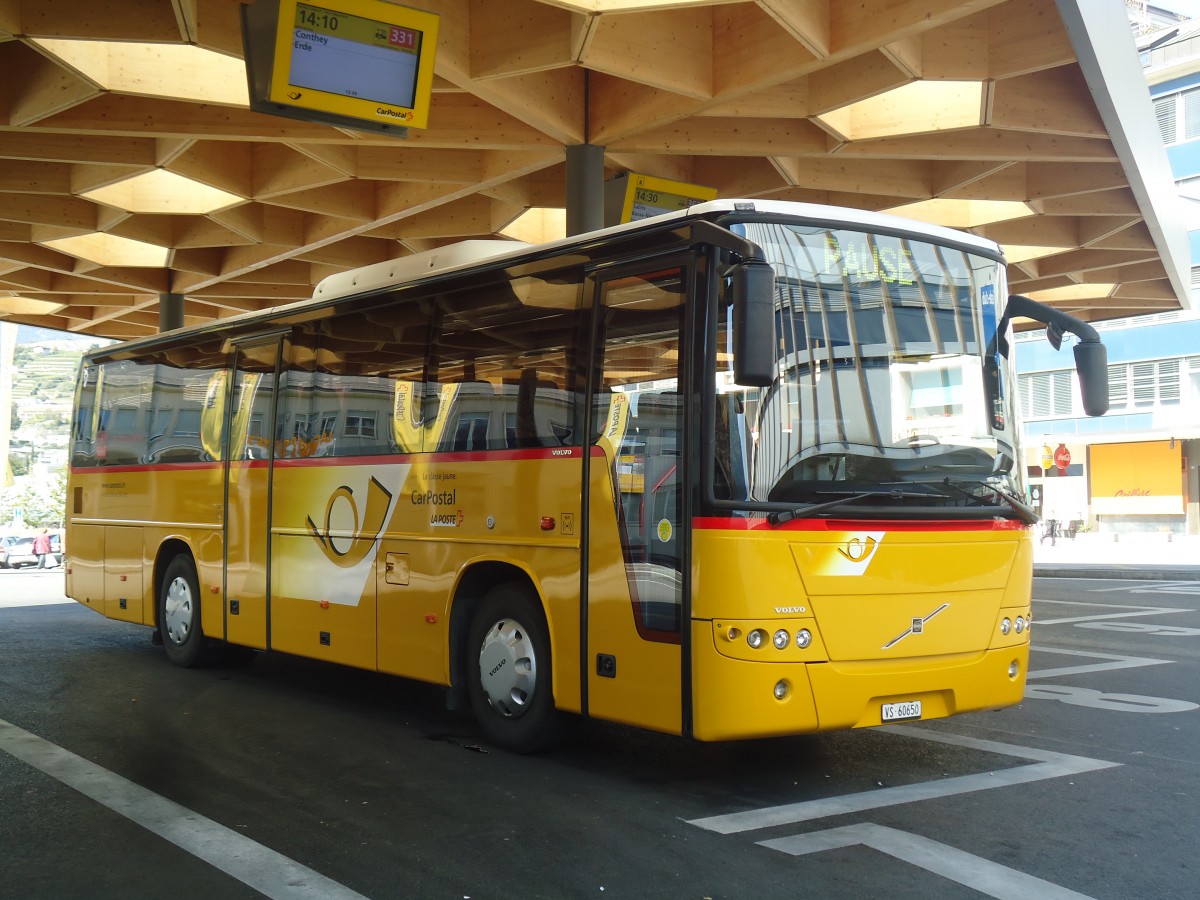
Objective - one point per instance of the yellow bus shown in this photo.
(744, 470)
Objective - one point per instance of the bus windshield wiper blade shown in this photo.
(779, 518)
(1023, 510)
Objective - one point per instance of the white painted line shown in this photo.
(975, 872)
(1132, 612)
(1151, 587)
(1116, 662)
(259, 867)
(1048, 765)
(14, 604)
(1168, 587)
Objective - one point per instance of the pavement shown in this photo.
(1133, 556)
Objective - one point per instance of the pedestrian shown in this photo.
(1050, 530)
(41, 549)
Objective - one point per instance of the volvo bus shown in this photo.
(749, 469)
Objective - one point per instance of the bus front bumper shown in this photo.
(738, 699)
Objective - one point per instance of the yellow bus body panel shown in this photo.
(895, 615)
(647, 687)
(367, 557)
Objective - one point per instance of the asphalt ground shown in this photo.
(122, 776)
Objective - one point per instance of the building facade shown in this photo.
(1135, 469)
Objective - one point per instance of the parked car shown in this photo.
(16, 552)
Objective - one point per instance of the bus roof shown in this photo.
(467, 253)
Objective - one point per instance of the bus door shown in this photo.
(635, 574)
(248, 490)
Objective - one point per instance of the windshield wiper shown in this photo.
(1022, 509)
(779, 518)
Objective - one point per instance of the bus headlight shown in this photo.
(1014, 669)
(1005, 625)
(756, 638)
(1020, 625)
(782, 689)
(734, 633)
(781, 639)
(803, 638)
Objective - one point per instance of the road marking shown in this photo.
(268, 872)
(14, 604)
(1115, 662)
(1090, 697)
(1132, 611)
(1153, 587)
(1047, 764)
(974, 872)
(1141, 628)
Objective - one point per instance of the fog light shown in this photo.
(781, 639)
(755, 638)
(733, 634)
(1020, 625)
(1014, 669)
(1005, 625)
(803, 638)
(782, 689)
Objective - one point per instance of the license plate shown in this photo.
(909, 709)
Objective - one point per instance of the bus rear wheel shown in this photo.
(510, 676)
(179, 614)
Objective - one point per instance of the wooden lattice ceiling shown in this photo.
(721, 94)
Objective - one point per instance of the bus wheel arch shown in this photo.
(177, 606)
(502, 656)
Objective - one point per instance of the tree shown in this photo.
(42, 504)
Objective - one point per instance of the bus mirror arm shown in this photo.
(1091, 356)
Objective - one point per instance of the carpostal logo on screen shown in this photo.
(443, 507)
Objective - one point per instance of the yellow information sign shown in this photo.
(646, 196)
(365, 60)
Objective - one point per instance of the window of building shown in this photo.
(1178, 116)
(1047, 395)
(1142, 385)
(360, 424)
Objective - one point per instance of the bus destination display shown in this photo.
(355, 57)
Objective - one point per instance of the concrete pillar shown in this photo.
(170, 311)
(585, 188)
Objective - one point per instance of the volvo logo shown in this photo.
(917, 627)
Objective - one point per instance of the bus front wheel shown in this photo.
(179, 614)
(510, 674)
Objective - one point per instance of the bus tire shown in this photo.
(509, 672)
(179, 614)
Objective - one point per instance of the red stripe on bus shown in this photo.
(157, 467)
(760, 523)
(390, 459)
(450, 456)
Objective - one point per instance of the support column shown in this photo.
(585, 188)
(170, 311)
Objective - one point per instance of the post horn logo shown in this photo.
(364, 530)
(857, 550)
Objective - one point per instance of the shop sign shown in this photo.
(1062, 458)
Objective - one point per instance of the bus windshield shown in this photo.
(879, 401)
